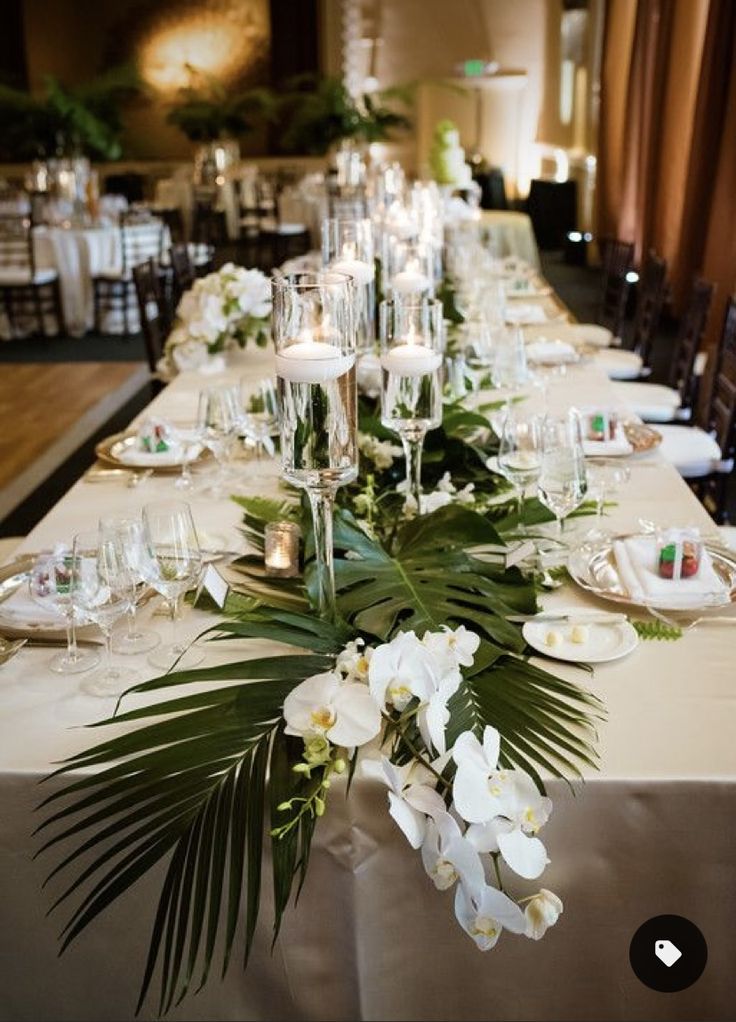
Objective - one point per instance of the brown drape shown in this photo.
(667, 147)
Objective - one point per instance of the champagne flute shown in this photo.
(519, 454)
(562, 482)
(103, 588)
(51, 588)
(171, 563)
(129, 533)
(411, 368)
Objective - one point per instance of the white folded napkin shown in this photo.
(525, 313)
(618, 446)
(550, 352)
(636, 560)
(21, 611)
(175, 455)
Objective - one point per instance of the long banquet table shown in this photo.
(652, 832)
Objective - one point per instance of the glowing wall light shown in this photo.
(221, 39)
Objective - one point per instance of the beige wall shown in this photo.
(427, 38)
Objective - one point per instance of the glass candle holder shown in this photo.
(347, 247)
(411, 269)
(282, 549)
(412, 342)
(314, 337)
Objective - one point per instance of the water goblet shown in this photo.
(103, 590)
(171, 563)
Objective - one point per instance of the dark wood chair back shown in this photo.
(650, 299)
(182, 269)
(618, 258)
(692, 326)
(722, 407)
(151, 309)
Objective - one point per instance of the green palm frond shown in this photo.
(190, 787)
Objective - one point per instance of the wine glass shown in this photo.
(171, 563)
(261, 417)
(190, 438)
(51, 588)
(219, 415)
(519, 454)
(411, 387)
(562, 482)
(606, 476)
(314, 336)
(129, 533)
(103, 589)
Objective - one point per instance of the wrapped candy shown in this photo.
(154, 436)
(678, 553)
(601, 425)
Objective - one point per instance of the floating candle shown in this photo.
(411, 359)
(360, 271)
(411, 280)
(308, 361)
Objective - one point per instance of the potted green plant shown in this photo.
(319, 114)
(215, 118)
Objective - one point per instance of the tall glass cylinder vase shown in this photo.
(412, 342)
(314, 337)
(347, 247)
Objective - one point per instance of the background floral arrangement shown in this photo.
(230, 306)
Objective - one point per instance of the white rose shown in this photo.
(189, 355)
(541, 912)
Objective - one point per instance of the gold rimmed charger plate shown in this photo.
(109, 450)
(595, 569)
(13, 577)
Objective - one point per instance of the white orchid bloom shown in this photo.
(402, 669)
(344, 712)
(479, 788)
(406, 668)
(485, 913)
(446, 485)
(353, 661)
(503, 806)
(542, 911)
(448, 856)
(455, 647)
(411, 796)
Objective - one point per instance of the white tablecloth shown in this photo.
(651, 833)
(513, 233)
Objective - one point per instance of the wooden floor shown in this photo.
(48, 409)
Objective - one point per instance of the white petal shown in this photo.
(412, 823)
(467, 749)
(311, 694)
(425, 799)
(491, 745)
(472, 797)
(526, 855)
(358, 716)
(484, 836)
(437, 717)
(467, 863)
(499, 906)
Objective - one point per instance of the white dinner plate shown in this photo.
(605, 641)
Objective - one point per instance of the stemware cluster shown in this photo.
(102, 578)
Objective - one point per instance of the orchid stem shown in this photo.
(414, 750)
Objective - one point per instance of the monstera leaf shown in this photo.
(430, 579)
